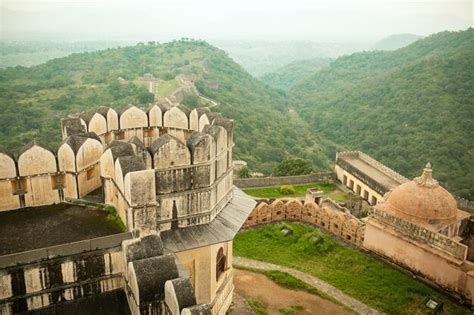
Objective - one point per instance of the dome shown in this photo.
(422, 201)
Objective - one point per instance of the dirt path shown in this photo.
(324, 287)
(275, 298)
(214, 103)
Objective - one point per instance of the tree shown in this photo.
(292, 167)
(244, 172)
(145, 97)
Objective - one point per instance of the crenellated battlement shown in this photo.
(166, 171)
(161, 168)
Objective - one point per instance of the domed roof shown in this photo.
(422, 201)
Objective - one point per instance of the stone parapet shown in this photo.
(283, 180)
(337, 220)
(418, 233)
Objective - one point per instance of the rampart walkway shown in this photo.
(324, 287)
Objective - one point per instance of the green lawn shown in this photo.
(166, 88)
(359, 275)
(329, 189)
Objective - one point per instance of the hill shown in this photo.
(286, 76)
(30, 53)
(404, 107)
(34, 99)
(261, 57)
(396, 41)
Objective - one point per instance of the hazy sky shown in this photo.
(325, 20)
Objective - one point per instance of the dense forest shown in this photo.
(404, 107)
(33, 100)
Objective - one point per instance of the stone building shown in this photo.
(418, 226)
(168, 173)
(365, 176)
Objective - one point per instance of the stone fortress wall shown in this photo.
(283, 180)
(186, 165)
(121, 266)
(47, 276)
(322, 213)
(165, 168)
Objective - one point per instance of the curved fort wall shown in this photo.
(328, 215)
(162, 168)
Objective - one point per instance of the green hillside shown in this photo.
(289, 75)
(404, 107)
(34, 99)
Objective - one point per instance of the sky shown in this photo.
(324, 20)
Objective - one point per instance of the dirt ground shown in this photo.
(256, 286)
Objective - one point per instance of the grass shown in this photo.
(257, 307)
(292, 310)
(357, 274)
(166, 88)
(329, 189)
(114, 218)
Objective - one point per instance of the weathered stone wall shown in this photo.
(41, 178)
(464, 204)
(39, 278)
(284, 180)
(9, 198)
(192, 179)
(433, 239)
(420, 257)
(133, 121)
(340, 223)
(201, 265)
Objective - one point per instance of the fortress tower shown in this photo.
(168, 173)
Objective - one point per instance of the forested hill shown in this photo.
(287, 76)
(33, 100)
(404, 107)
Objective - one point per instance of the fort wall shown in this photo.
(283, 180)
(44, 277)
(184, 161)
(445, 266)
(325, 215)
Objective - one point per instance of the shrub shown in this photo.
(114, 218)
(244, 172)
(287, 190)
(292, 167)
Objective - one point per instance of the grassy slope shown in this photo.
(288, 75)
(404, 107)
(329, 189)
(34, 99)
(357, 274)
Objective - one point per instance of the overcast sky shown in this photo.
(325, 20)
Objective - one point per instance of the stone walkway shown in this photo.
(324, 287)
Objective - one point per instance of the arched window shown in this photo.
(220, 263)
